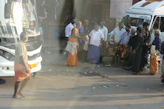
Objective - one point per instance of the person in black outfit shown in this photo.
(130, 54)
(138, 52)
(146, 47)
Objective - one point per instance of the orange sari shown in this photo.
(72, 60)
(154, 64)
(20, 73)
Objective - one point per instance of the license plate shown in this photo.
(33, 65)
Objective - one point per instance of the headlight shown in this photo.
(7, 55)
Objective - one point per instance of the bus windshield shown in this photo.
(30, 17)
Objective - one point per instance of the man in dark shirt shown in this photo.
(42, 15)
(146, 35)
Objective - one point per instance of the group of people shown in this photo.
(84, 41)
(135, 48)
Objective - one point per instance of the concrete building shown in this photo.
(97, 10)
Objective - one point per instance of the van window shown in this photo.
(133, 21)
(136, 21)
(159, 24)
(162, 24)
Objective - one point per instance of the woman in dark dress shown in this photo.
(138, 51)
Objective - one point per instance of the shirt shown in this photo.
(95, 37)
(125, 38)
(117, 34)
(104, 30)
(21, 51)
(157, 43)
(68, 30)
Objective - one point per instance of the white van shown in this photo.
(150, 11)
(11, 25)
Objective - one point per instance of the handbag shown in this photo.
(71, 47)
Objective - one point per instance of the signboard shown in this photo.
(119, 7)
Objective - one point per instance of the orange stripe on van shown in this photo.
(149, 2)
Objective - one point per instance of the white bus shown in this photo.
(14, 16)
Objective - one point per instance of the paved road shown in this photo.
(60, 87)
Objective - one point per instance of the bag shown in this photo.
(152, 50)
(71, 47)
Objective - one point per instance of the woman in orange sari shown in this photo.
(72, 59)
(21, 67)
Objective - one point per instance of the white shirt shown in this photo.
(117, 33)
(68, 30)
(104, 30)
(95, 37)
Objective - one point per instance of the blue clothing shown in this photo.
(94, 54)
(125, 38)
(82, 30)
(104, 30)
(157, 43)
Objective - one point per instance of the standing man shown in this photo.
(85, 28)
(124, 41)
(104, 30)
(147, 36)
(83, 48)
(68, 28)
(96, 38)
(21, 67)
(116, 35)
(42, 14)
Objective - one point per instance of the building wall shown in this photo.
(94, 10)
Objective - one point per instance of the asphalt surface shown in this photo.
(87, 86)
